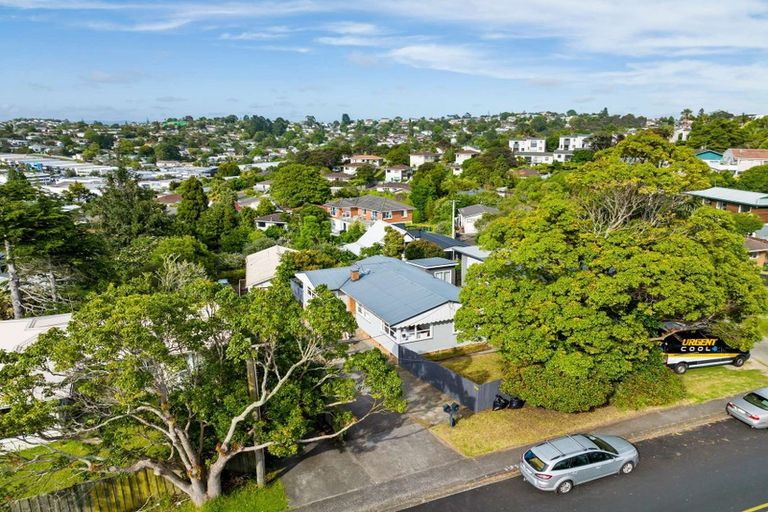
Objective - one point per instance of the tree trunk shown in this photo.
(198, 494)
(253, 380)
(52, 281)
(13, 283)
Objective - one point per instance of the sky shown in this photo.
(137, 60)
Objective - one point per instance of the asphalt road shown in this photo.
(720, 467)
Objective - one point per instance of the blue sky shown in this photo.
(135, 60)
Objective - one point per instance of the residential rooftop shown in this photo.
(730, 195)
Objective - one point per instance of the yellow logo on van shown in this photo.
(700, 342)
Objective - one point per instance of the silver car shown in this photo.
(752, 408)
(561, 463)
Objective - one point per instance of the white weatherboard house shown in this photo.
(469, 215)
(261, 267)
(394, 302)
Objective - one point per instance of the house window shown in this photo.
(720, 205)
(443, 275)
(389, 331)
(417, 332)
(387, 215)
(362, 311)
(405, 213)
(744, 209)
(374, 215)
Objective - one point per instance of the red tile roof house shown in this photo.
(744, 159)
(373, 160)
(366, 209)
(757, 249)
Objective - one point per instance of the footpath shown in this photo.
(467, 473)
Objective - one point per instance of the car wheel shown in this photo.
(681, 368)
(739, 362)
(627, 468)
(565, 487)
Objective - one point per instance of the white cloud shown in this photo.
(353, 28)
(250, 36)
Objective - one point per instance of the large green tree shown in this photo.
(181, 380)
(126, 210)
(296, 185)
(192, 205)
(754, 179)
(577, 286)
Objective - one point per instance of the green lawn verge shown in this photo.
(247, 498)
(479, 368)
(491, 431)
(702, 384)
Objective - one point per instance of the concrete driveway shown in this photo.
(384, 447)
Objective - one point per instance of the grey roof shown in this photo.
(389, 288)
(443, 241)
(533, 153)
(375, 203)
(477, 209)
(472, 251)
(276, 218)
(432, 262)
(731, 195)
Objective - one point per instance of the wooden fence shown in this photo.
(125, 493)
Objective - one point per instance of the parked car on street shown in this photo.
(752, 408)
(685, 348)
(561, 463)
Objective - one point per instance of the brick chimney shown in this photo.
(354, 274)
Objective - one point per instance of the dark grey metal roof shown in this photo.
(443, 241)
(375, 203)
(389, 288)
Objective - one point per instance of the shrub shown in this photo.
(552, 389)
(651, 384)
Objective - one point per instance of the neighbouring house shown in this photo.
(464, 155)
(273, 219)
(535, 158)
(351, 168)
(445, 242)
(373, 160)
(394, 303)
(573, 142)
(375, 235)
(743, 159)
(366, 209)
(439, 268)
(342, 177)
(758, 250)
(392, 188)
(261, 267)
(470, 255)
(170, 201)
(709, 156)
(416, 160)
(263, 186)
(528, 145)
(469, 215)
(398, 173)
(527, 173)
(737, 201)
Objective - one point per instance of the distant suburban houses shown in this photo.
(367, 210)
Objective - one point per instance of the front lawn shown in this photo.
(491, 431)
(479, 368)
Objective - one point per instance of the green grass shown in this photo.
(491, 431)
(479, 368)
(19, 480)
(457, 351)
(702, 384)
(248, 498)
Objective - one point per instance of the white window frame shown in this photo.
(374, 215)
(720, 205)
(387, 215)
(389, 330)
(443, 275)
(744, 208)
(417, 332)
(333, 211)
(362, 311)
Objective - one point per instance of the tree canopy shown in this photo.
(296, 185)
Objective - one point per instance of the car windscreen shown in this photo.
(533, 461)
(602, 444)
(757, 400)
